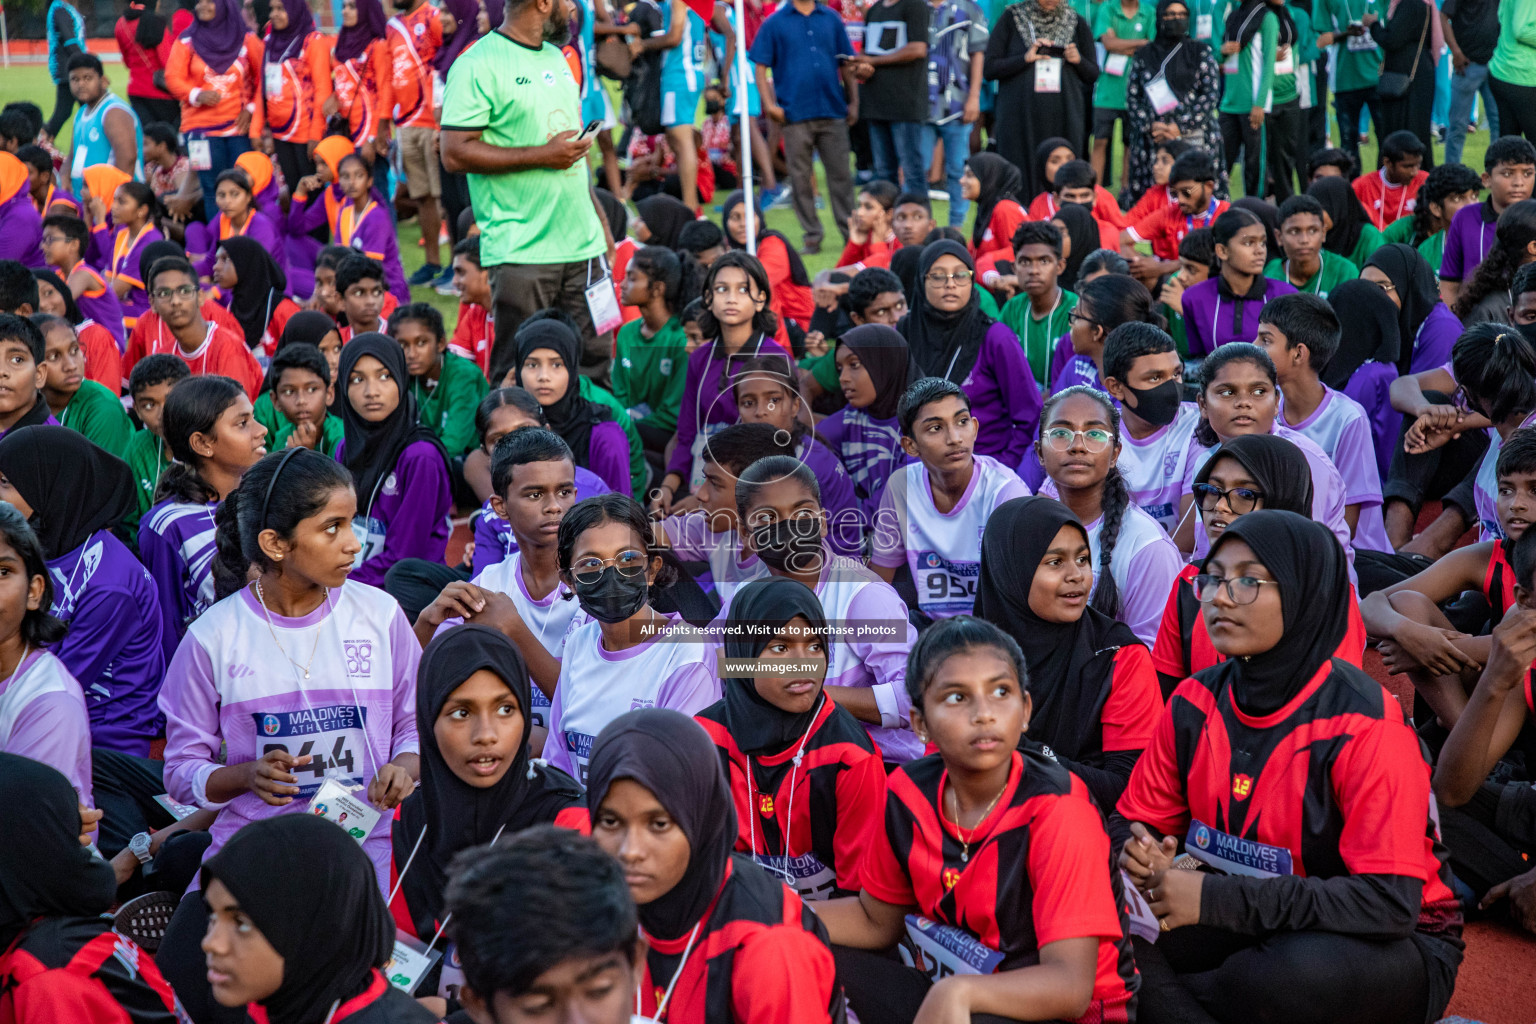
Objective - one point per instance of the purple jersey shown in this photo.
(121, 251)
(114, 646)
(408, 518)
(1213, 316)
(870, 449)
(100, 303)
(1079, 371)
(1468, 240)
(176, 543)
(493, 535)
(203, 240)
(372, 233)
(1342, 430)
(21, 230)
(1005, 400)
(42, 716)
(338, 685)
(837, 496)
(708, 404)
(608, 455)
(692, 540)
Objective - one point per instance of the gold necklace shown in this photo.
(965, 840)
(262, 600)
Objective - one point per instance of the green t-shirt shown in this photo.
(597, 393)
(1365, 248)
(1400, 230)
(824, 369)
(1038, 336)
(519, 97)
(448, 407)
(1248, 76)
(1514, 56)
(331, 433)
(1306, 54)
(1109, 91)
(266, 414)
(651, 371)
(1176, 328)
(1334, 272)
(98, 414)
(147, 455)
(987, 303)
(1358, 58)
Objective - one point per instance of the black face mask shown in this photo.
(790, 545)
(713, 107)
(1175, 28)
(612, 598)
(1158, 405)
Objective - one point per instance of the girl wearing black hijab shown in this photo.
(309, 949)
(1092, 685)
(1350, 231)
(53, 895)
(999, 203)
(74, 494)
(257, 288)
(1080, 236)
(803, 825)
(548, 355)
(404, 492)
(728, 942)
(1254, 471)
(1427, 329)
(951, 337)
(1294, 776)
(661, 218)
(874, 368)
(473, 702)
(1192, 74)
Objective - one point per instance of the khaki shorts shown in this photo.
(418, 155)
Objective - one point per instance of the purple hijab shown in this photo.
(300, 24)
(495, 10)
(371, 22)
(219, 41)
(466, 13)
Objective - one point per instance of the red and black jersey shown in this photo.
(1038, 870)
(825, 806)
(379, 1003)
(77, 969)
(1183, 647)
(1499, 579)
(760, 957)
(1336, 776)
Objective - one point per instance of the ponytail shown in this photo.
(1513, 236)
(193, 407)
(1497, 365)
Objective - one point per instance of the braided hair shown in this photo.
(1114, 501)
(1515, 232)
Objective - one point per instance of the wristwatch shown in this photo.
(139, 846)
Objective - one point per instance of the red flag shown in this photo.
(705, 9)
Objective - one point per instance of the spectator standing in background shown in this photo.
(802, 46)
(1411, 44)
(1471, 29)
(1123, 27)
(406, 102)
(296, 80)
(1359, 66)
(66, 39)
(511, 117)
(144, 39)
(894, 95)
(1513, 68)
(957, 46)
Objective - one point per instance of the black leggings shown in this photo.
(1517, 108)
(1349, 104)
(1430, 476)
(63, 106)
(883, 990)
(295, 161)
(1203, 975)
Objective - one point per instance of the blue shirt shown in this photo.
(801, 52)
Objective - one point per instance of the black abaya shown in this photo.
(1026, 118)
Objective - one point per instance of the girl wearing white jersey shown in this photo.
(1143, 372)
(934, 511)
(1135, 563)
(632, 656)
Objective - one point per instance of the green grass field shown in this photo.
(31, 82)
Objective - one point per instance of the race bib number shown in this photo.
(409, 962)
(1160, 95)
(370, 534)
(1138, 911)
(332, 737)
(1202, 26)
(579, 746)
(1116, 63)
(946, 587)
(603, 304)
(272, 78)
(199, 154)
(538, 709)
(1235, 856)
(345, 806)
(451, 978)
(1048, 75)
(939, 950)
(806, 874)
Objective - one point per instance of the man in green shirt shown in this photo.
(149, 384)
(1122, 27)
(1041, 311)
(1248, 87)
(512, 121)
(1359, 65)
(448, 388)
(301, 394)
(1307, 266)
(83, 406)
(652, 352)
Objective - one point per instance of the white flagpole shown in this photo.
(742, 71)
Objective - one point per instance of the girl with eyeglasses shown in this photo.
(1239, 395)
(950, 337)
(1243, 475)
(1135, 561)
(626, 654)
(1102, 305)
(1289, 779)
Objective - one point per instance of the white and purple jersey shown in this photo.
(1485, 486)
(1154, 466)
(177, 546)
(673, 670)
(942, 549)
(550, 618)
(42, 716)
(870, 448)
(238, 688)
(1342, 430)
(845, 528)
(693, 541)
(874, 654)
(114, 645)
(493, 534)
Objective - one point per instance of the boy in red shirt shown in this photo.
(1392, 192)
(1193, 183)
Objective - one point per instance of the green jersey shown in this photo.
(649, 373)
(823, 369)
(1248, 76)
(331, 433)
(1109, 91)
(1365, 248)
(1038, 334)
(447, 406)
(147, 456)
(518, 97)
(1334, 272)
(98, 414)
(266, 413)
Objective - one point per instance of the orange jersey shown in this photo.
(294, 91)
(356, 83)
(405, 93)
(238, 89)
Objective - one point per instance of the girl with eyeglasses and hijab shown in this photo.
(950, 337)
(1293, 778)
(625, 654)
(1244, 474)
(781, 736)
(991, 861)
(726, 941)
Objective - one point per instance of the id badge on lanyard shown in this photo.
(1048, 75)
(410, 962)
(200, 154)
(370, 534)
(1160, 95)
(347, 806)
(603, 303)
(273, 79)
(1203, 26)
(1116, 63)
